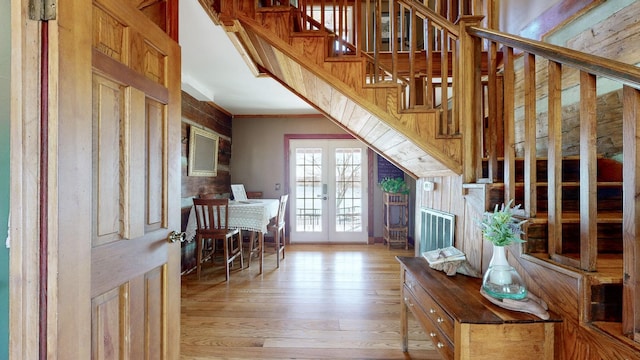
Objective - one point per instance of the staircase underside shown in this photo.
(398, 137)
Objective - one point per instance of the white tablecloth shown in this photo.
(251, 215)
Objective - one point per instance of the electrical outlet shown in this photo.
(277, 186)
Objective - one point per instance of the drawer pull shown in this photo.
(432, 311)
(432, 334)
(440, 345)
(440, 320)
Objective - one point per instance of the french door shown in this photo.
(328, 191)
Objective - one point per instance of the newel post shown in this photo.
(469, 85)
(631, 211)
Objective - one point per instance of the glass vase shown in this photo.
(501, 280)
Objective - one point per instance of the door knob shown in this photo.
(176, 236)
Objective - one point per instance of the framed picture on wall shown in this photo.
(203, 153)
(385, 27)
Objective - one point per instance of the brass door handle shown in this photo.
(176, 236)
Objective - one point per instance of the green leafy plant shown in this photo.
(501, 227)
(394, 185)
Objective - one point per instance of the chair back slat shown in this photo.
(212, 218)
(212, 214)
(282, 209)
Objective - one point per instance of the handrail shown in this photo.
(432, 15)
(625, 73)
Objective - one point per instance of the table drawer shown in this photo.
(441, 342)
(438, 316)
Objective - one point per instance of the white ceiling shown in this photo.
(213, 70)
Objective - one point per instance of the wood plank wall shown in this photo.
(213, 119)
(218, 121)
(467, 204)
(615, 37)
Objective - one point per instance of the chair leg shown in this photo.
(283, 243)
(226, 259)
(198, 256)
(277, 241)
(240, 249)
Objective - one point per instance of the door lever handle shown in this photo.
(176, 236)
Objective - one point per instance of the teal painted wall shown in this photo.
(5, 71)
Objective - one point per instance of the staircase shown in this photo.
(386, 85)
(385, 98)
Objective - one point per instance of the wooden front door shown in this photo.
(135, 173)
(113, 279)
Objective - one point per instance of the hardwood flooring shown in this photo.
(324, 302)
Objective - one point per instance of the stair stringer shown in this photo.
(369, 112)
(567, 291)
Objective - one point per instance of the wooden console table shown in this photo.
(463, 324)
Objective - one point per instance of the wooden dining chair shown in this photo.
(210, 246)
(212, 216)
(277, 229)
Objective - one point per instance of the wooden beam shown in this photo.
(530, 160)
(588, 173)
(631, 211)
(509, 126)
(444, 90)
(468, 92)
(492, 113)
(554, 159)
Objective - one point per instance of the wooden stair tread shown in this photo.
(610, 267)
(568, 217)
(576, 183)
(544, 158)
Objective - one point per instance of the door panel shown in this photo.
(130, 211)
(329, 191)
(134, 291)
(155, 125)
(106, 319)
(108, 100)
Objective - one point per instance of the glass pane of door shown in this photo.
(308, 189)
(329, 191)
(348, 195)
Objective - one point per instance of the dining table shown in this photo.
(246, 215)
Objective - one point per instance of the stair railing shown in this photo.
(539, 59)
(404, 42)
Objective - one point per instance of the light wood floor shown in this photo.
(325, 302)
